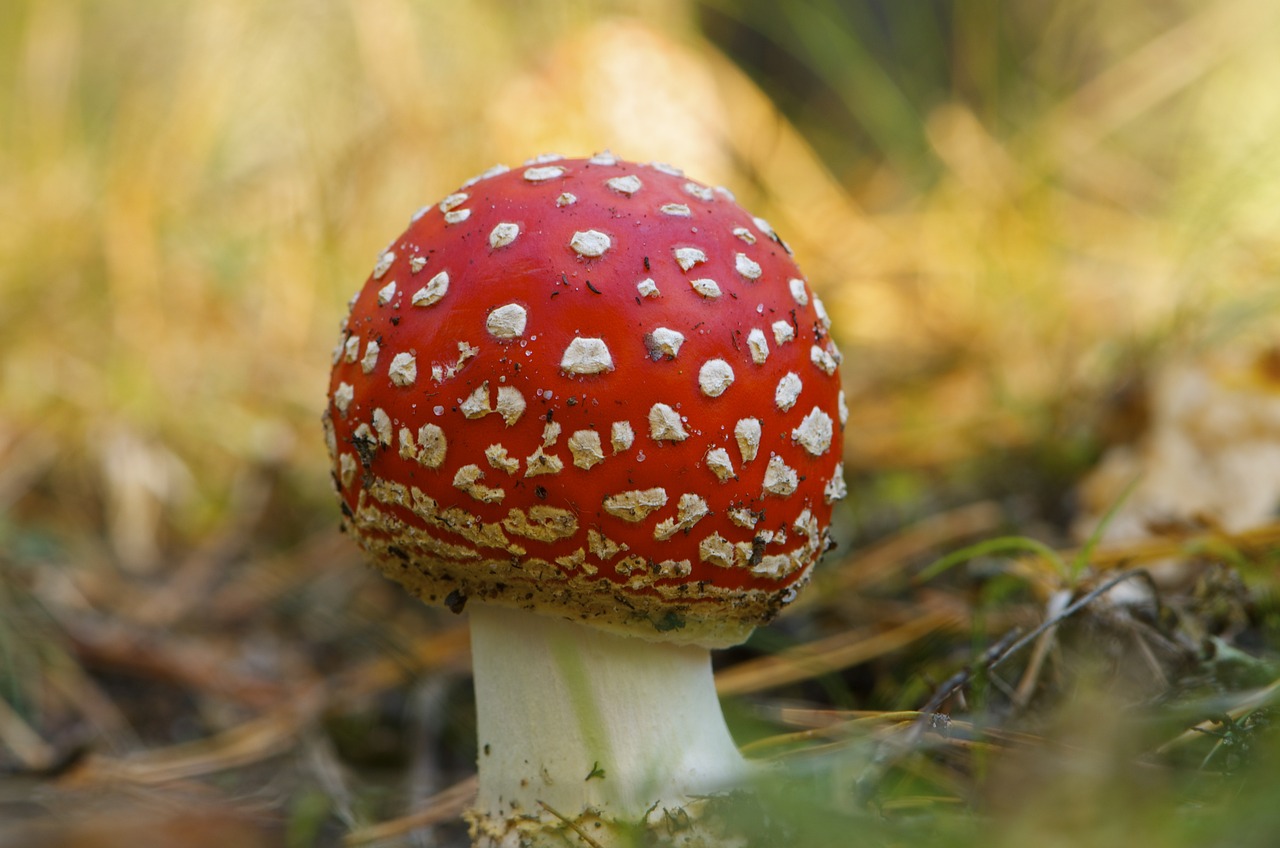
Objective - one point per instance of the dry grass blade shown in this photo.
(16, 735)
(160, 655)
(831, 731)
(1256, 540)
(253, 741)
(446, 649)
(827, 655)
(896, 748)
(884, 559)
(441, 807)
(1169, 63)
(1250, 701)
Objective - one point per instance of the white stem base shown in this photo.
(580, 725)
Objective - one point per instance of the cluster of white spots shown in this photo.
(714, 377)
(491, 172)
(544, 523)
(677, 568)
(746, 266)
(468, 478)
(798, 291)
(540, 462)
(621, 436)
(510, 405)
(717, 550)
(566, 199)
(382, 426)
(346, 468)
(788, 390)
(363, 433)
(721, 465)
(822, 359)
(705, 287)
(627, 185)
(773, 565)
(586, 356)
(604, 157)
(449, 206)
(507, 322)
(441, 372)
(821, 308)
(687, 257)
(435, 289)
(665, 424)
(636, 504)
(663, 342)
(602, 547)
(783, 332)
(779, 478)
(836, 489)
(386, 293)
(747, 432)
(699, 191)
(404, 369)
(842, 408)
(590, 243)
(669, 170)
(383, 265)
(428, 450)
(586, 448)
(543, 158)
(689, 511)
(408, 447)
(330, 435)
(477, 404)
(498, 458)
(758, 345)
(763, 226)
(814, 432)
(503, 234)
(542, 174)
(576, 560)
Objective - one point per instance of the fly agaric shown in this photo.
(597, 403)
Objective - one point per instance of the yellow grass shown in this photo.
(192, 190)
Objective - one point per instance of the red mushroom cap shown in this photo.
(595, 389)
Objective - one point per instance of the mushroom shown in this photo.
(597, 404)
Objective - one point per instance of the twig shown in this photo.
(250, 742)
(894, 748)
(25, 743)
(1031, 675)
(1251, 701)
(443, 806)
(571, 825)
(827, 655)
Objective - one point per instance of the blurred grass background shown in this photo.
(1014, 211)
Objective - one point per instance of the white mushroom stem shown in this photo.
(581, 725)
